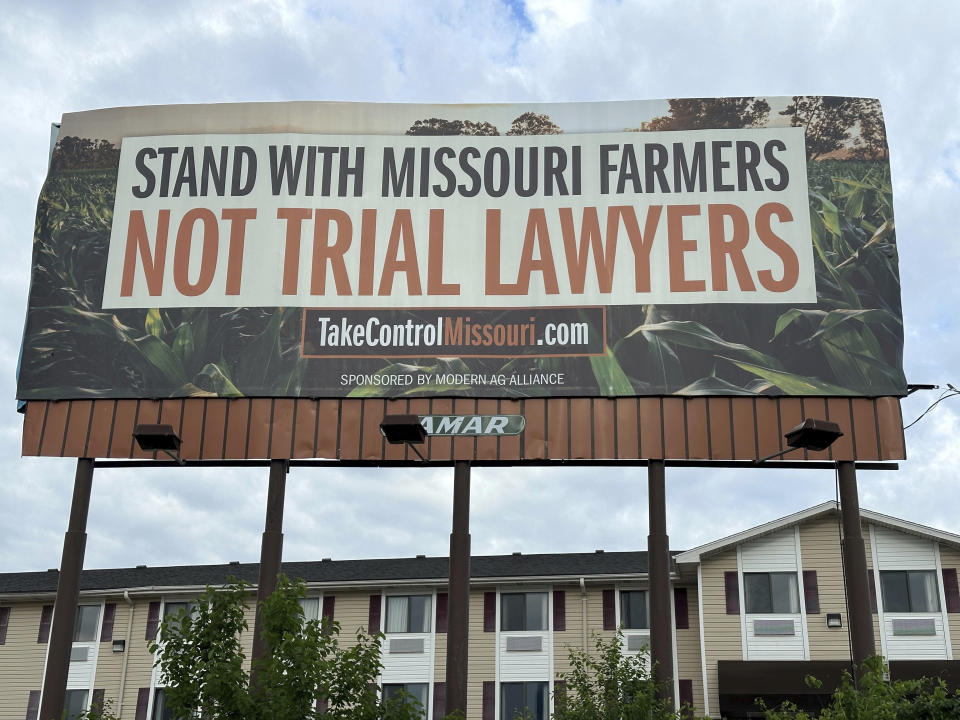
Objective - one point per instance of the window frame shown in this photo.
(937, 604)
(404, 687)
(547, 620)
(623, 619)
(85, 704)
(545, 694)
(96, 624)
(428, 615)
(770, 592)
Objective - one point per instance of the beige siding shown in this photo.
(688, 649)
(21, 659)
(139, 659)
(482, 657)
(820, 551)
(722, 631)
(352, 611)
(572, 637)
(110, 664)
(950, 558)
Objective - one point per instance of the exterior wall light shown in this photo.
(404, 430)
(834, 620)
(811, 434)
(119, 646)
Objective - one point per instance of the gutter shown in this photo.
(126, 651)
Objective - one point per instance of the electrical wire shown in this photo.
(950, 392)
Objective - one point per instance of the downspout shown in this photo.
(126, 652)
(583, 611)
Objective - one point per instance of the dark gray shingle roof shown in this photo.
(341, 571)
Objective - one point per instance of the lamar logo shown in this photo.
(473, 424)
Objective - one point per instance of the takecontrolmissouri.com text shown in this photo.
(460, 332)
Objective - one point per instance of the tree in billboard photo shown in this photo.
(849, 342)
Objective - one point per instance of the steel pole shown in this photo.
(68, 591)
(458, 592)
(658, 559)
(855, 566)
(271, 554)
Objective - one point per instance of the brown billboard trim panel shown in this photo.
(673, 428)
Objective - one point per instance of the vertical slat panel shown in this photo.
(76, 433)
(811, 592)
(305, 423)
(441, 448)
(281, 436)
(609, 609)
(628, 445)
(486, 446)
(213, 429)
(371, 441)
(463, 446)
(46, 617)
(685, 695)
(490, 611)
(350, 429)
(744, 429)
(951, 590)
(153, 621)
(258, 432)
(872, 583)
(720, 428)
(674, 429)
(510, 444)
(99, 440)
(54, 428)
(122, 427)
(865, 428)
(559, 611)
(193, 428)
(816, 408)
(442, 610)
(768, 430)
(604, 429)
(327, 423)
(791, 415)
(651, 429)
(698, 445)
(889, 416)
(681, 609)
(4, 623)
(839, 409)
(109, 615)
(731, 589)
(143, 701)
(33, 427)
(439, 700)
(329, 607)
(557, 435)
(238, 418)
(535, 432)
(488, 710)
(581, 428)
(33, 705)
(373, 616)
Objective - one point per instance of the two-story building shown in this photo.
(753, 614)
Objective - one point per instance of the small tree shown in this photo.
(874, 698)
(608, 685)
(202, 662)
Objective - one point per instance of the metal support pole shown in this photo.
(658, 561)
(458, 593)
(68, 591)
(855, 566)
(271, 552)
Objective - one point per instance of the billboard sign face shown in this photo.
(612, 249)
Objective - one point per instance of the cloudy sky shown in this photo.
(58, 57)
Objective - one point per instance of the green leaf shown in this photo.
(153, 323)
(787, 318)
(831, 215)
(183, 344)
(692, 334)
(790, 383)
(213, 378)
(713, 386)
(162, 358)
(610, 377)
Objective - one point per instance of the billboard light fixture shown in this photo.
(158, 438)
(811, 434)
(404, 430)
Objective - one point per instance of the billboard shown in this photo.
(734, 246)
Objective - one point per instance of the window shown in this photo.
(523, 611)
(523, 700)
(910, 591)
(634, 610)
(416, 691)
(85, 627)
(160, 709)
(310, 607)
(172, 608)
(771, 593)
(408, 614)
(75, 703)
